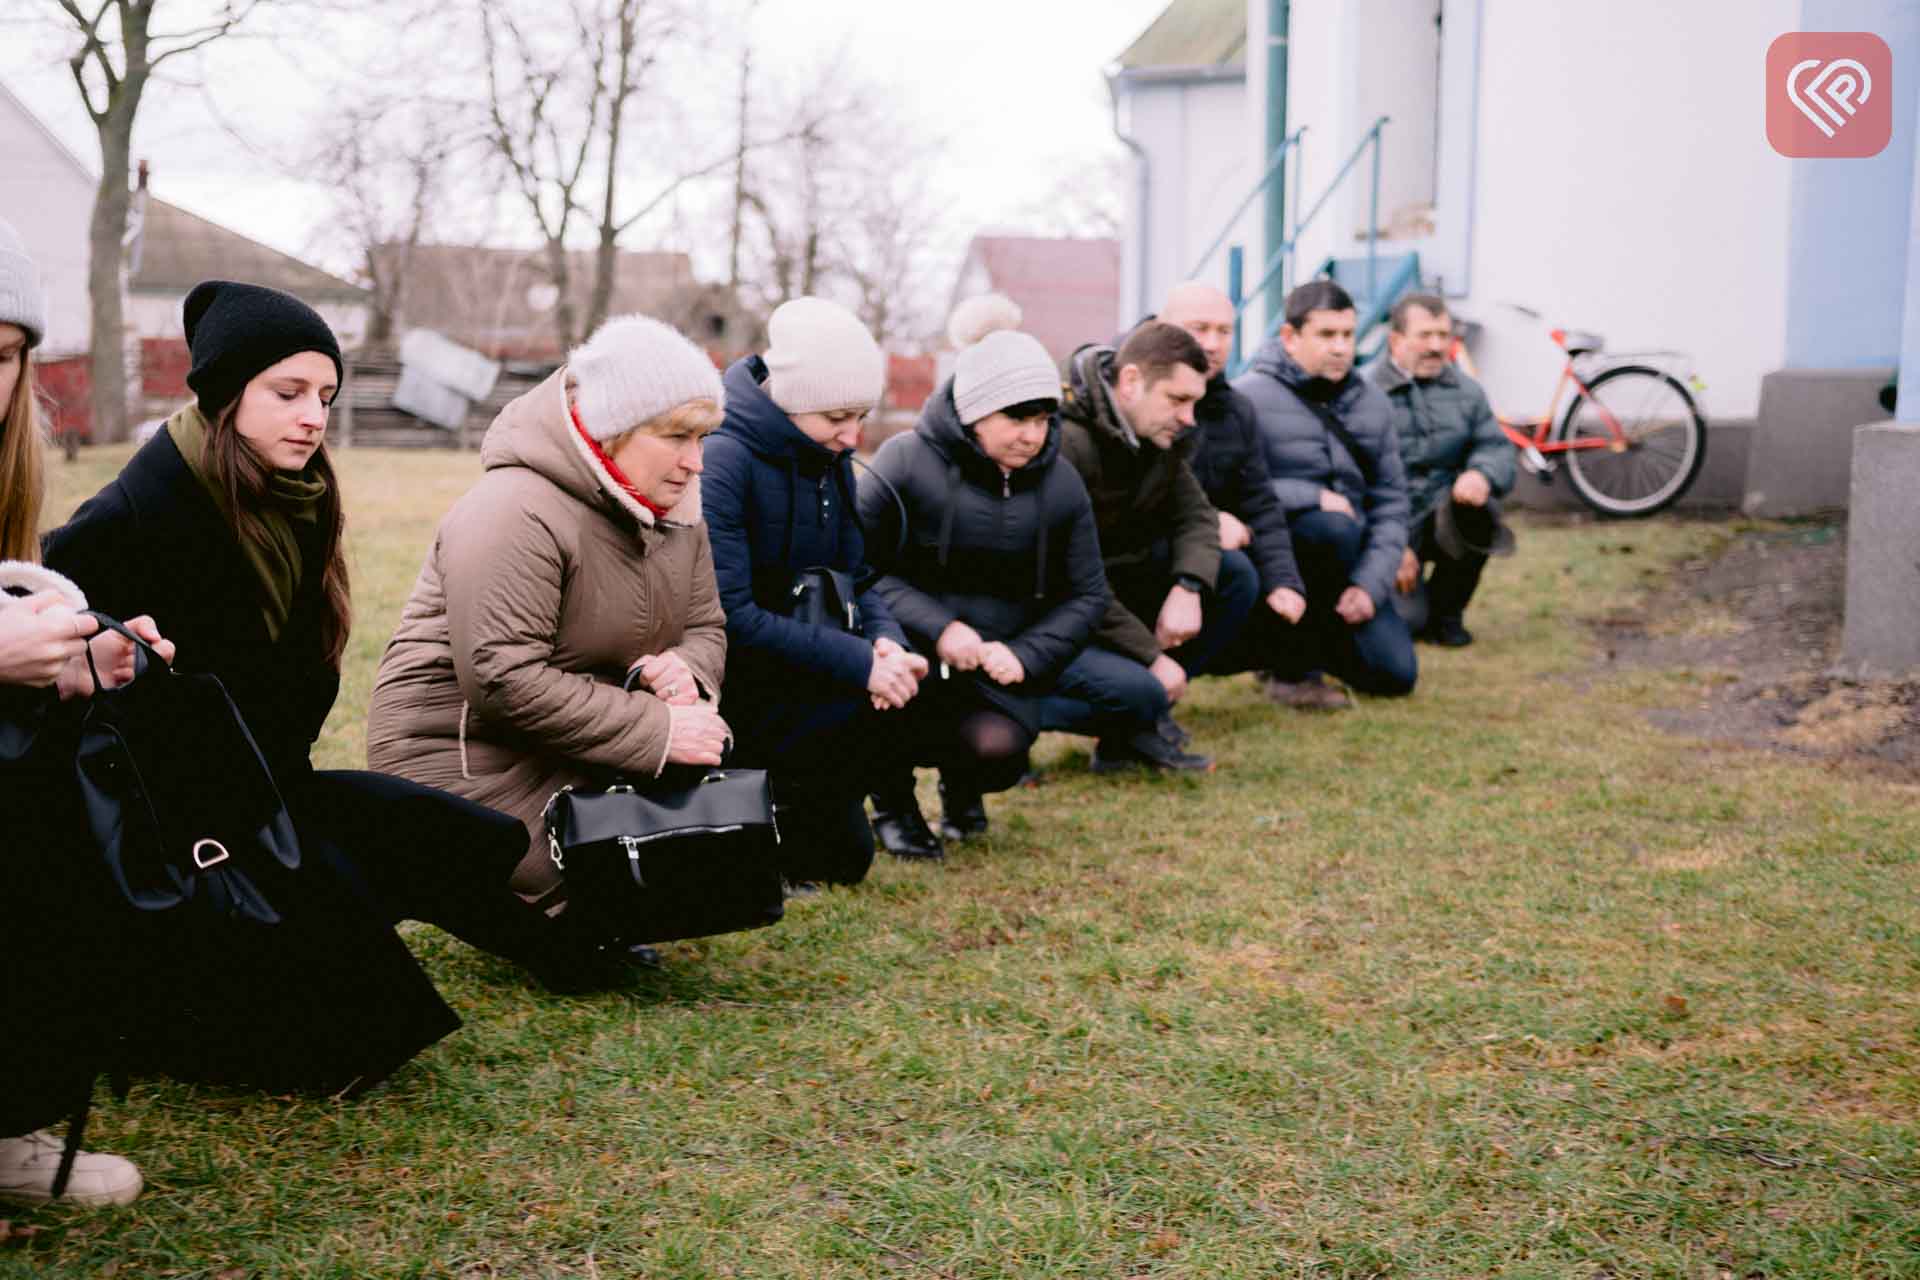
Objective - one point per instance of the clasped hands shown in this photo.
(962, 648)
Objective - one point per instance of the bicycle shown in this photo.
(1633, 438)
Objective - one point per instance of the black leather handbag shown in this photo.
(823, 597)
(691, 855)
(180, 803)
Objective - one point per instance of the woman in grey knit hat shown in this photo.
(998, 575)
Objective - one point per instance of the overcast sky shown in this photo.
(1014, 86)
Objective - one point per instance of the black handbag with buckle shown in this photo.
(822, 597)
(691, 854)
(178, 799)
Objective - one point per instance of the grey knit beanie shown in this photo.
(21, 301)
(1001, 370)
(998, 366)
(821, 358)
(634, 368)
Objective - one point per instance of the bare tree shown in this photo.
(1086, 201)
(393, 162)
(846, 208)
(119, 52)
(561, 113)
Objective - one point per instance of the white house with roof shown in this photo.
(49, 196)
(1605, 165)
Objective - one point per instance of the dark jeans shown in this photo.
(1101, 694)
(1451, 582)
(1375, 657)
(1223, 610)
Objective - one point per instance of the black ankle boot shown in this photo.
(963, 813)
(902, 829)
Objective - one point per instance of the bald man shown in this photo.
(1232, 467)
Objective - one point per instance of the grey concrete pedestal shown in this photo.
(1882, 636)
(1798, 462)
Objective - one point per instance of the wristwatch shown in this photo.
(1190, 582)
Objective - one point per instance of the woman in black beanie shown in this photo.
(228, 524)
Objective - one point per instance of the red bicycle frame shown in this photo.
(1541, 440)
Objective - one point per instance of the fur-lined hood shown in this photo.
(20, 578)
(536, 431)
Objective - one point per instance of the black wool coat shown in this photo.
(1231, 464)
(1014, 556)
(336, 1001)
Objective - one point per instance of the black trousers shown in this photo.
(1449, 581)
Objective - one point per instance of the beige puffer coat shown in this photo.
(545, 584)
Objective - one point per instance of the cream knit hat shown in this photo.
(634, 368)
(821, 358)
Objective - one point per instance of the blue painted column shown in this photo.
(1907, 408)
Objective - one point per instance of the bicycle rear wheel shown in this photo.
(1660, 446)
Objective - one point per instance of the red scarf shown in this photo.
(619, 476)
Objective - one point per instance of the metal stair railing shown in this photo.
(1280, 264)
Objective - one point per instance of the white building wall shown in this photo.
(49, 200)
(1621, 178)
(1200, 170)
(1626, 186)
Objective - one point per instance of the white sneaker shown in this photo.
(28, 1165)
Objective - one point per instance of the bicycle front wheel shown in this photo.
(1651, 441)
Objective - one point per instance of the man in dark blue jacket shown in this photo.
(807, 700)
(1336, 469)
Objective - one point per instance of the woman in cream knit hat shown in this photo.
(813, 702)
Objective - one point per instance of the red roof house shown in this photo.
(1068, 290)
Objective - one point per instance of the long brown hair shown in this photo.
(243, 477)
(22, 468)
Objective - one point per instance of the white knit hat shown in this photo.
(634, 368)
(821, 358)
(998, 366)
(21, 301)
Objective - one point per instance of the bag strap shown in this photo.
(900, 540)
(1369, 468)
(144, 654)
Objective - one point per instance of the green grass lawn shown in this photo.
(1495, 980)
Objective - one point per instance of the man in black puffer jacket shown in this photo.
(1231, 466)
(1335, 463)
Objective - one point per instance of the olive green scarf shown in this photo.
(275, 555)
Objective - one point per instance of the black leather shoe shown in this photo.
(1146, 750)
(1448, 633)
(1170, 729)
(963, 812)
(903, 830)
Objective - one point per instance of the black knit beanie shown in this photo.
(237, 330)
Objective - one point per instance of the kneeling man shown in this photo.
(1458, 462)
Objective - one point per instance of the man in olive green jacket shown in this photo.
(1454, 452)
(1126, 427)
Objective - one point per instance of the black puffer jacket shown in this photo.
(1015, 557)
(1231, 465)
